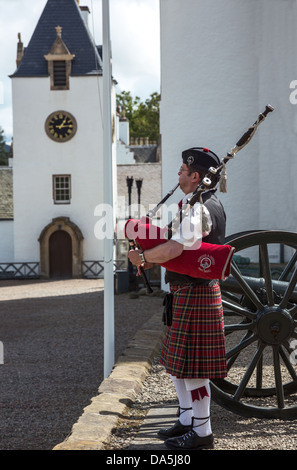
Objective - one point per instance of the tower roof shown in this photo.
(76, 36)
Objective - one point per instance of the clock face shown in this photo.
(60, 126)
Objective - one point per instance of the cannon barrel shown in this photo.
(279, 287)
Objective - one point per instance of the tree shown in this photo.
(3, 152)
(143, 116)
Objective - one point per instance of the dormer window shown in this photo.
(59, 63)
(60, 74)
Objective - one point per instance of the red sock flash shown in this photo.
(198, 393)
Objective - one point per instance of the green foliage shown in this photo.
(3, 153)
(143, 116)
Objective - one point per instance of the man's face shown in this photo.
(187, 181)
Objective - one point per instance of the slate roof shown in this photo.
(75, 34)
(144, 153)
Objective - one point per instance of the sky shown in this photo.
(135, 38)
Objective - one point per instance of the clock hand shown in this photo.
(61, 125)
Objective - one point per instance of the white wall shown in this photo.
(221, 63)
(37, 158)
(278, 138)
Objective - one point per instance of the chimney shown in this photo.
(85, 14)
(124, 130)
(20, 50)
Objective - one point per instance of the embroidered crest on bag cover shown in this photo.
(205, 262)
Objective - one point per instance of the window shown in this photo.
(59, 73)
(59, 61)
(62, 189)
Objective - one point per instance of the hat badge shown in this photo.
(190, 160)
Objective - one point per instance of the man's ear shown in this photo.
(195, 177)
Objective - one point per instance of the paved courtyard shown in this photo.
(52, 336)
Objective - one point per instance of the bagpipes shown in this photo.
(209, 261)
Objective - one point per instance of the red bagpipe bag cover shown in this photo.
(209, 261)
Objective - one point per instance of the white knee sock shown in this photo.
(200, 397)
(185, 401)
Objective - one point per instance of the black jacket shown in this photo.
(216, 236)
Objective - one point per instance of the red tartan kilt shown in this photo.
(194, 345)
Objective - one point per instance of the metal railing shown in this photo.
(31, 270)
(95, 269)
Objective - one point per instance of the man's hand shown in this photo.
(134, 257)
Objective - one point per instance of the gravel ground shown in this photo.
(231, 432)
(52, 335)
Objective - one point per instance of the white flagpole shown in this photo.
(108, 196)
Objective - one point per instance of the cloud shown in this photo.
(135, 38)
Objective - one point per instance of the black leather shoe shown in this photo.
(177, 429)
(190, 440)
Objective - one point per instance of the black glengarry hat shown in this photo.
(202, 157)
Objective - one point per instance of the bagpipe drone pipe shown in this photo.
(209, 261)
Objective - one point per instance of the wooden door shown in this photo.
(60, 255)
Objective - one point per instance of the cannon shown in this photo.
(260, 313)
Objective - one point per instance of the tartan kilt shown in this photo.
(194, 345)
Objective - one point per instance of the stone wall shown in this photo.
(151, 192)
(6, 215)
(6, 193)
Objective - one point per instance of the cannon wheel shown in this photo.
(260, 309)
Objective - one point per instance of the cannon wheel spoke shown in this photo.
(243, 384)
(238, 309)
(288, 363)
(288, 267)
(278, 378)
(247, 290)
(260, 307)
(289, 290)
(265, 269)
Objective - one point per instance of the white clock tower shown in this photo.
(58, 143)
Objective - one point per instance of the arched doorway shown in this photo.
(61, 244)
(60, 255)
